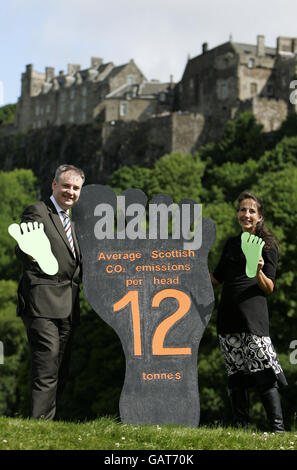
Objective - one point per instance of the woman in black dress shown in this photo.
(243, 318)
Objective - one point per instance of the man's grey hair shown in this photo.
(63, 168)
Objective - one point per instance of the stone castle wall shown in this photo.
(216, 86)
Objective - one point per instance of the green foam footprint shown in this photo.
(33, 241)
(251, 246)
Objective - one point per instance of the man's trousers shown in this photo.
(50, 347)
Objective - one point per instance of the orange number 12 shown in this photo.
(162, 329)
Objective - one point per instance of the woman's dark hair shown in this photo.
(261, 229)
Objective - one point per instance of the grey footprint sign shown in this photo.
(154, 290)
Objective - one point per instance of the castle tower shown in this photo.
(32, 82)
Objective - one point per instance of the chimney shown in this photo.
(29, 69)
(260, 45)
(204, 47)
(72, 69)
(49, 73)
(96, 62)
(285, 44)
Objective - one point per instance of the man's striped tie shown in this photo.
(67, 228)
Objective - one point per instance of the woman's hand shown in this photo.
(263, 281)
(260, 264)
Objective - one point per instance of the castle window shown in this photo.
(37, 110)
(48, 108)
(223, 91)
(162, 97)
(253, 89)
(84, 91)
(72, 106)
(84, 116)
(71, 118)
(72, 93)
(84, 103)
(191, 83)
(123, 109)
(130, 79)
(251, 63)
(270, 90)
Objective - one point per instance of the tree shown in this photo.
(242, 139)
(130, 177)
(13, 337)
(226, 182)
(18, 189)
(174, 174)
(282, 155)
(7, 114)
(178, 176)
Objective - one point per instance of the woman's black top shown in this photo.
(243, 306)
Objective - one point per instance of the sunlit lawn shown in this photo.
(109, 434)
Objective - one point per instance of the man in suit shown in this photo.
(49, 304)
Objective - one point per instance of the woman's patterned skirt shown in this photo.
(251, 360)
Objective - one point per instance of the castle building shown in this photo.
(103, 91)
(216, 86)
(222, 82)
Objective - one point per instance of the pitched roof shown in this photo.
(252, 49)
(143, 90)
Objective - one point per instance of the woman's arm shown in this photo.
(265, 284)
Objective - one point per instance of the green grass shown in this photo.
(109, 434)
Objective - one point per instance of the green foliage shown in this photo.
(223, 215)
(174, 174)
(229, 179)
(7, 114)
(288, 128)
(18, 189)
(214, 403)
(178, 176)
(12, 335)
(242, 139)
(282, 155)
(130, 177)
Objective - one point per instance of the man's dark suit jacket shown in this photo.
(42, 295)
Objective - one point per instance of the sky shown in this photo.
(159, 35)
